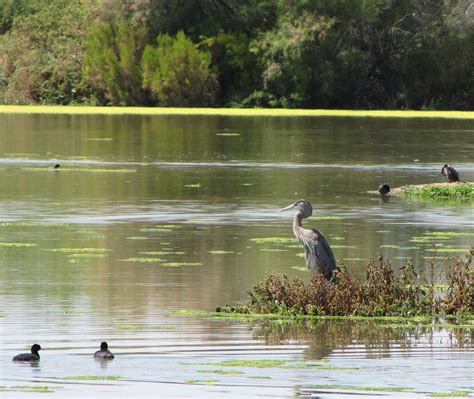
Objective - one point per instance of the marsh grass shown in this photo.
(383, 293)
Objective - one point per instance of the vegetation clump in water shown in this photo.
(382, 294)
(464, 191)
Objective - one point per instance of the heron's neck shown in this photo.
(298, 219)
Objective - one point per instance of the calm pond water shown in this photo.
(147, 215)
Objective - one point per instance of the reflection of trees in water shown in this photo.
(378, 338)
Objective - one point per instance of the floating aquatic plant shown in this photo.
(70, 169)
(453, 394)
(273, 240)
(223, 372)
(194, 185)
(131, 327)
(207, 382)
(17, 244)
(228, 134)
(220, 252)
(179, 264)
(362, 388)
(26, 388)
(464, 191)
(93, 377)
(78, 250)
(142, 260)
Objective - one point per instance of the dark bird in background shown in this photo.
(450, 173)
(383, 189)
(317, 252)
(57, 166)
(29, 357)
(104, 352)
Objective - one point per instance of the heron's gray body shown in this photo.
(317, 252)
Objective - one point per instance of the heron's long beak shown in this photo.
(287, 208)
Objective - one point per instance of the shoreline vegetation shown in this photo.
(249, 112)
(259, 53)
(384, 293)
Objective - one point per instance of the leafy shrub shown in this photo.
(112, 62)
(41, 55)
(382, 294)
(178, 74)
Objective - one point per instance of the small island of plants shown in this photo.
(383, 293)
(461, 190)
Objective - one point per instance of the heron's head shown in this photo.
(444, 170)
(104, 346)
(301, 205)
(35, 348)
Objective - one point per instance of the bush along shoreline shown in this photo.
(383, 293)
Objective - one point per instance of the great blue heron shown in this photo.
(384, 189)
(29, 357)
(450, 173)
(104, 352)
(317, 252)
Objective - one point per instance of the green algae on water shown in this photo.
(273, 240)
(27, 388)
(180, 264)
(223, 372)
(33, 224)
(17, 244)
(88, 255)
(93, 377)
(276, 363)
(207, 382)
(260, 377)
(194, 185)
(454, 394)
(130, 327)
(142, 260)
(361, 388)
(69, 169)
(158, 253)
(78, 250)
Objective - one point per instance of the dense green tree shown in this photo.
(112, 62)
(299, 53)
(41, 55)
(178, 74)
(11, 9)
(236, 66)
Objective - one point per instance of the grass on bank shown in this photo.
(58, 109)
(383, 293)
